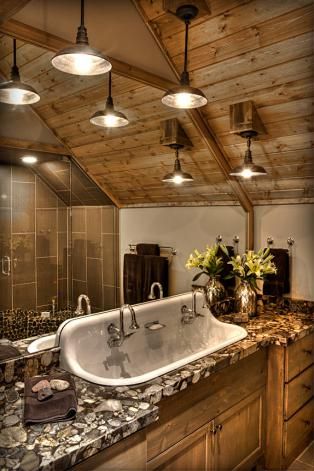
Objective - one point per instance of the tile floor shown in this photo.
(305, 461)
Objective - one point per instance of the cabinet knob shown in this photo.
(306, 386)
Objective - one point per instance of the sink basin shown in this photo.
(42, 343)
(150, 352)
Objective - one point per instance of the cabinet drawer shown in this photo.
(299, 356)
(299, 391)
(298, 428)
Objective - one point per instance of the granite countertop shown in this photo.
(60, 445)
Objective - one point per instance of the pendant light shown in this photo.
(177, 176)
(184, 96)
(16, 92)
(248, 169)
(81, 59)
(109, 117)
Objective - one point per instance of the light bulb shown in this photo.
(82, 63)
(183, 100)
(29, 159)
(177, 179)
(246, 173)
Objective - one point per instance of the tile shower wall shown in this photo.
(34, 236)
(95, 246)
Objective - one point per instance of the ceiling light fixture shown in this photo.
(29, 159)
(109, 117)
(184, 96)
(81, 59)
(15, 92)
(248, 169)
(177, 176)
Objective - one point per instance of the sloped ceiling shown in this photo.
(242, 50)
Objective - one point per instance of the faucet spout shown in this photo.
(152, 293)
(118, 335)
(79, 310)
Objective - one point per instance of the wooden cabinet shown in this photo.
(289, 402)
(231, 441)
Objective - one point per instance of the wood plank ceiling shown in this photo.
(242, 50)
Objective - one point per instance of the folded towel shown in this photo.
(148, 249)
(60, 407)
(8, 351)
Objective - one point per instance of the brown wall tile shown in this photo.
(108, 259)
(22, 174)
(94, 283)
(62, 254)
(79, 256)
(79, 287)
(5, 292)
(46, 232)
(46, 280)
(107, 220)
(24, 296)
(93, 220)
(45, 198)
(79, 219)
(62, 293)
(109, 297)
(23, 258)
(5, 186)
(23, 210)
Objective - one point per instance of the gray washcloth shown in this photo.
(60, 407)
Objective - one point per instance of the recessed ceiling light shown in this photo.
(29, 159)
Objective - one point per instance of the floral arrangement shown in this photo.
(252, 266)
(208, 261)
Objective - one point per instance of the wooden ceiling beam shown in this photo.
(32, 146)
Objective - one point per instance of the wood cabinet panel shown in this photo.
(182, 414)
(299, 391)
(239, 438)
(298, 428)
(299, 355)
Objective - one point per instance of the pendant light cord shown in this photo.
(14, 52)
(15, 75)
(187, 23)
(109, 101)
(82, 12)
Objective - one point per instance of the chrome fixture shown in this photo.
(6, 265)
(109, 118)
(270, 241)
(177, 176)
(236, 240)
(117, 335)
(248, 169)
(15, 92)
(184, 96)
(152, 294)
(79, 310)
(219, 239)
(290, 241)
(81, 59)
(190, 314)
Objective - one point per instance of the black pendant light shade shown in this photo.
(109, 117)
(81, 59)
(184, 96)
(15, 92)
(177, 176)
(248, 169)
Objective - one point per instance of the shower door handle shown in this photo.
(6, 265)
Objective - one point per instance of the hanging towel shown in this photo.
(148, 249)
(58, 408)
(155, 269)
(132, 278)
(279, 284)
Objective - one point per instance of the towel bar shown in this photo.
(132, 248)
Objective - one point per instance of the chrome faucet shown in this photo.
(117, 335)
(190, 314)
(79, 310)
(152, 294)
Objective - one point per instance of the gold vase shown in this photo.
(245, 299)
(214, 291)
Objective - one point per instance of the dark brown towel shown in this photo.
(60, 407)
(155, 269)
(279, 284)
(7, 352)
(148, 249)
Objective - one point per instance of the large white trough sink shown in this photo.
(148, 353)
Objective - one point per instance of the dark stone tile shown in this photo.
(94, 283)
(23, 208)
(63, 300)
(93, 221)
(5, 292)
(62, 254)
(107, 220)
(46, 280)
(109, 297)
(24, 296)
(45, 198)
(79, 219)
(108, 259)
(46, 232)
(62, 218)
(79, 256)
(5, 186)
(23, 255)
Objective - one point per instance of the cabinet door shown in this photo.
(239, 435)
(190, 454)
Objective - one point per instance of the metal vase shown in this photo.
(214, 291)
(245, 299)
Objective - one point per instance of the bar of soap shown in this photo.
(59, 384)
(44, 383)
(44, 394)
